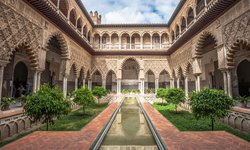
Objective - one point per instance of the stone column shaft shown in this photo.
(225, 81)
(1, 81)
(35, 81)
(186, 86)
(229, 81)
(76, 83)
(65, 83)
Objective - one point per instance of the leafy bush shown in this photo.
(46, 105)
(99, 92)
(175, 96)
(83, 97)
(210, 103)
(161, 93)
(6, 102)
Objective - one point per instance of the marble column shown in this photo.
(104, 83)
(35, 80)
(65, 83)
(142, 86)
(178, 82)
(90, 84)
(225, 81)
(83, 83)
(198, 83)
(118, 86)
(76, 83)
(229, 81)
(186, 86)
(156, 85)
(38, 80)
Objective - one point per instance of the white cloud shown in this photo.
(132, 11)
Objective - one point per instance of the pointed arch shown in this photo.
(190, 15)
(204, 39)
(72, 16)
(240, 44)
(64, 7)
(129, 58)
(62, 43)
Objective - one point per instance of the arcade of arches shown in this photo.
(126, 56)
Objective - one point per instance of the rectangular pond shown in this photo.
(129, 129)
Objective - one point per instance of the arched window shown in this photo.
(200, 5)
(72, 17)
(177, 30)
(190, 17)
(64, 7)
(183, 24)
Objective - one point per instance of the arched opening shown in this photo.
(173, 35)
(115, 41)
(105, 41)
(72, 78)
(89, 36)
(211, 77)
(190, 16)
(149, 81)
(200, 5)
(72, 17)
(136, 41)
(146, 41)
(130, 74)
(51, 74)
(81, 78)
(111, 81)
(14, 129)
(79, 25)
(180, 76)
(156, 41)
(164, 40)
(191, 78)
(164, 81)
(85, 31)
(177, 30)
(64, 7)
(97, 41)
(20, 80)
(243, 75)
(125, 41)
(183, 24)
(96, 79)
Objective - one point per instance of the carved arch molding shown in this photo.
(15, 31)
(235, 33)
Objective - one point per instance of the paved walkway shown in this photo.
(75, 140)
(176, 140)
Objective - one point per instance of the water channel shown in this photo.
(129, 129)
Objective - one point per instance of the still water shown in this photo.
(129, 129)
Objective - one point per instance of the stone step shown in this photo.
(128, 147)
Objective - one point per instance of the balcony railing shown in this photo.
(132, 46)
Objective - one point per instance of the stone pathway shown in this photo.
(74, 140)
(176, 140)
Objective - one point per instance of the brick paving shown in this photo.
(176, 140)
(82, 140)
(173, 138)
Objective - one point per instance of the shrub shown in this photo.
(99, 92)
(46, 105)
(6, 102)
(83, 97)
(210, 103)
(175, 96)
(161, 93)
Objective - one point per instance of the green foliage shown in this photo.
(6, 102)
(83, 97)
(46, 105)
(185, 121)
(99, 92)
(175, 96)
(161, 93)
(242, 99)
(210, 103)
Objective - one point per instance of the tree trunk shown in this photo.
(212, 121)
(47, 124)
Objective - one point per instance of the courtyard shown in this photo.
(142, 75)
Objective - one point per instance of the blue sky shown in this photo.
(132, 11)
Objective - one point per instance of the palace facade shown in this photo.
(206, 43)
